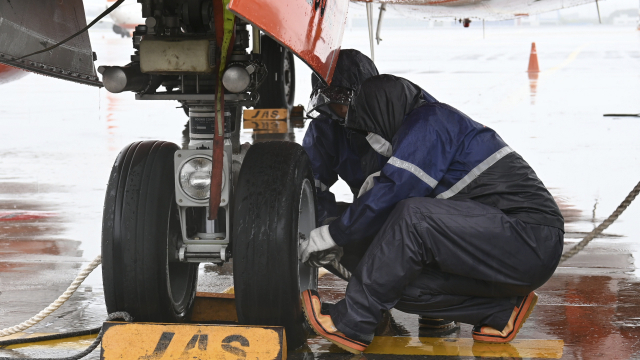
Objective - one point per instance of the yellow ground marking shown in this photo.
(124, 341)
(522, 93)
(321, 272)
(566, 62)
(72, 343)
(547, 349)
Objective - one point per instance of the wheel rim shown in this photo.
(178, 273)
(287, 77)
(307, 276)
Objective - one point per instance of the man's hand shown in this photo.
(319, 240)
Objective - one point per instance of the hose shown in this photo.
(56, 304)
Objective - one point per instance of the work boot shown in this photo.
(518, 317)
(323, 325)
(427, 323)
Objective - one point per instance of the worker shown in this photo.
(463, 227)
(339, 152)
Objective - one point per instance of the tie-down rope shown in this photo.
(605, 224)
(56, 304)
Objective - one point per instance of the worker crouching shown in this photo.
(462, 228)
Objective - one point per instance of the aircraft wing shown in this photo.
(312, 29)
(31, 25)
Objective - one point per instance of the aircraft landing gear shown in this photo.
(156, 226)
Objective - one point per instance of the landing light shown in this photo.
(236, 79)
(195, 178)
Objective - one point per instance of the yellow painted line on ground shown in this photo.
(387, 345)
(321, 272)
(72, 343)
(547, 349)
(522, 93)
(566, 62)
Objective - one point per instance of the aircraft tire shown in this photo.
(278, 89)
(274, 203)
(140, 227)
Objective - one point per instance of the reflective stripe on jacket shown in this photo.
(440, 152)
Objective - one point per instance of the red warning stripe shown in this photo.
(20, 215)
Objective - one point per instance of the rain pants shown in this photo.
(462, 225)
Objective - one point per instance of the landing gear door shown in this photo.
(31, 25)
(312, 29)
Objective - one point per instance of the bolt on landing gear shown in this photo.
(156, 226)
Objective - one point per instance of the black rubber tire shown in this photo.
(139, 225)
(278, 89)
(265, 243)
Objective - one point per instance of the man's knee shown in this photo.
(408, 208)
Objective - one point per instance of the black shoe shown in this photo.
(427, 323)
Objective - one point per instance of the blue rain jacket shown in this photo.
(439, 152)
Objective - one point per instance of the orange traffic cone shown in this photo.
(533, 60)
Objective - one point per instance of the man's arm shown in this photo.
(423, 149)
(321, 142)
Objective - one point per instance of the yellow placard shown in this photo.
(270, 127)
(149, 341)
(265, 114)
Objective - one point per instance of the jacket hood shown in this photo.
(352, 69)
(382, 103)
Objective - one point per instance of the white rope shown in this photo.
(56, 304)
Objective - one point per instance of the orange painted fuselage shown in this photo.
(311, 29)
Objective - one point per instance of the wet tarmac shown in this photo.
(58, 141)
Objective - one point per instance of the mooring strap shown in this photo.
(228, 21)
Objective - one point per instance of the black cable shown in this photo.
(113, 316)
(105, 13)
(623, 115)
(50, 337)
